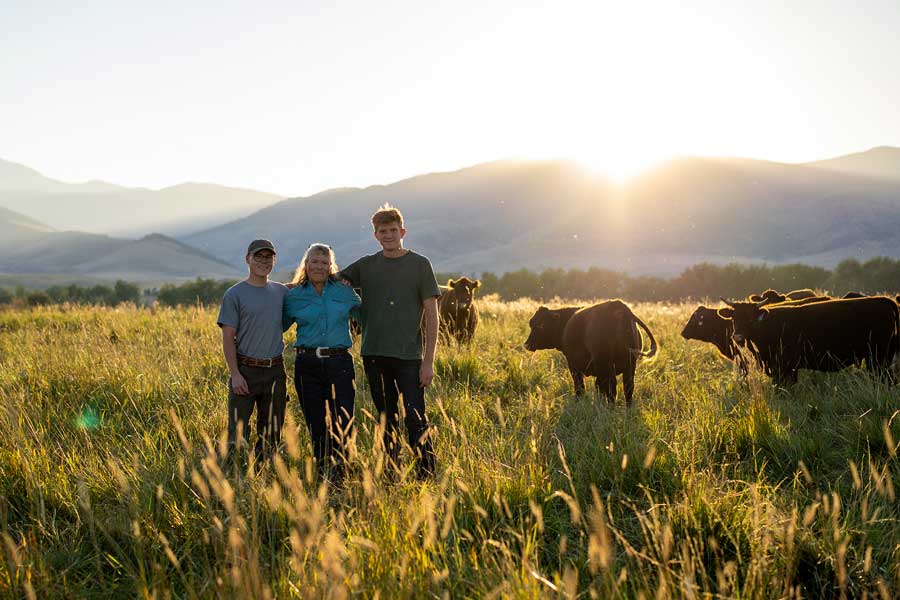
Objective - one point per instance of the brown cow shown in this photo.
(459, 315)
(600, 341)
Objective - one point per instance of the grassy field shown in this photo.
(111, 481)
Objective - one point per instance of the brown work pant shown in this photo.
(268, 394)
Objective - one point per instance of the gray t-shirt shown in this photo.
(256, 314)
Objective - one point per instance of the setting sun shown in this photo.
(620, 166)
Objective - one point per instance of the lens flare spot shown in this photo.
(88, 419)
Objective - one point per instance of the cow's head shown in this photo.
(546, 329)
(704, 324)
(462, 292)
(745, 316)
(769, 296)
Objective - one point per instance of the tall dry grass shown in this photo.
(113, 483)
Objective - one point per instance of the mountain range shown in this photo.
(511, 214)
(29, 248)
(101, 207)
(496, 217)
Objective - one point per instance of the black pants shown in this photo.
(268, 394)
(390, 378)
(326, 392)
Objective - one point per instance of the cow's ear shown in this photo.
(476, 284)
(755, 298)
(726, 313)
(450, 283)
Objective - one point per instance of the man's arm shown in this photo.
(349, 275)
(286, 318)
(426, 372)
(238, 383)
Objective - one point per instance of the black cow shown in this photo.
(850, 295)
(459, 315)
(800, 302)
(599, 341)
(706, 325)
(823, 336)
(771, 296)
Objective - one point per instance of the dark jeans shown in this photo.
(390, 378)
(326, 393)
(268, 393)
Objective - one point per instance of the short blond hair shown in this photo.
(386, 214)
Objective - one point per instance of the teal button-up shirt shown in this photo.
(322, 321)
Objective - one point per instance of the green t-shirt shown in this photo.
(392, 291)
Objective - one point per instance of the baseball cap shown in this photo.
(257, 245)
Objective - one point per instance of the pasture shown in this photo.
(111, 481)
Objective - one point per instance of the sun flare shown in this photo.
(620, 166)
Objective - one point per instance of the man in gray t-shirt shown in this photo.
(251, 310)
(250, 318)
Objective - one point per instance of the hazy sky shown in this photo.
(296, 97)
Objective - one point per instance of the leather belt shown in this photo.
(322, 352)
(260, 362)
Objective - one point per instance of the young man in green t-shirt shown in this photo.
(398, 287)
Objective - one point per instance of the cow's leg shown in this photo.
(785, 377)
(793, 375)
(578, 380)
(628, 376)
(628, 385)
(606, 385)
(741, 361)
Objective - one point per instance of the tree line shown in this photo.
(199, 291)
(101, 295)
(704, 280)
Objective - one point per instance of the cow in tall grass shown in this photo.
(459, 315)
(706, 325)
(823, 336)
(601, 341)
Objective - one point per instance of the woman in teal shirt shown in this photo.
(321, 306)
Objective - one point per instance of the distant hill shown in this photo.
(19, 178)
(152, 258)
(473, 210)
(507, 215)
(158, 255)
(16, 228)
(883, 161)
(100, 207)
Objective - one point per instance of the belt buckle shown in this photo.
(319, 352)
(269, 366)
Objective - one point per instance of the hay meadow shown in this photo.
(113, 484)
